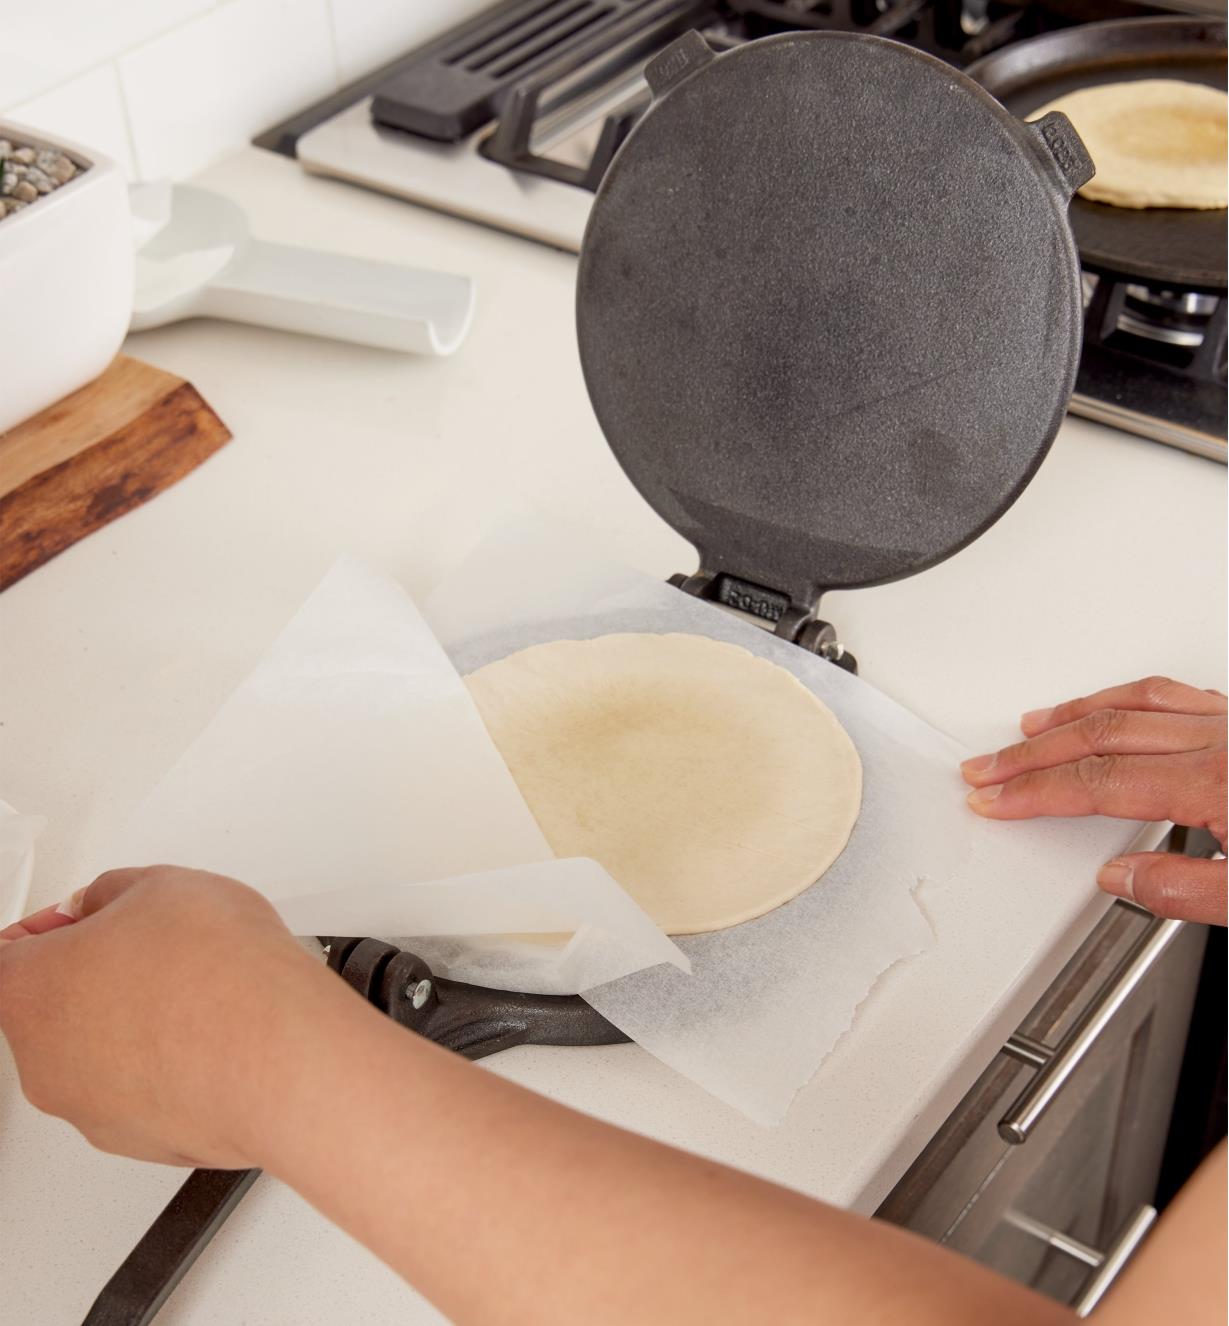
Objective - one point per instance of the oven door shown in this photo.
(1084, 1092)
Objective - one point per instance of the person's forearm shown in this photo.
(501, 1206)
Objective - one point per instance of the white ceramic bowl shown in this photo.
(65, 281)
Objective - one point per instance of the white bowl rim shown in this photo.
(92, 168)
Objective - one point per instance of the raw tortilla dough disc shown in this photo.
(1159, 142)
(710, 783)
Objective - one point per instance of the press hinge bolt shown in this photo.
(820, 638)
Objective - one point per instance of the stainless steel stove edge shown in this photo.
(1156, 430)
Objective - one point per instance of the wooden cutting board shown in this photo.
(95, 455)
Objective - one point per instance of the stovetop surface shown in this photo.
(511, 119)
(466, 79)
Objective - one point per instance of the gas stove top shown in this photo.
(511, 119)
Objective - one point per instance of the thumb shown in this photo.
(109, 886)
(1168, 884)
(106, 888)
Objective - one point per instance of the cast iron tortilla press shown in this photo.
(829, 312)
(829, 316)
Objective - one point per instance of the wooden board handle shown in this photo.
(95, 455)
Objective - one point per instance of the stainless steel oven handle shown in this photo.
(1055, 1065)
(1106, 1265)
(1116, 1257)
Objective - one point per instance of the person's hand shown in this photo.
(156, 1024)
(1150, 750)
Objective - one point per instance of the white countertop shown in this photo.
(116, 653)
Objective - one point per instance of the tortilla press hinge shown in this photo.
(791, 621)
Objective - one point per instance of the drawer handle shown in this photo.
(1105, 1265)
(1056, 1064)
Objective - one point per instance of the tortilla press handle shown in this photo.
(146, 1277)
(1065, 148)
(471, 1020)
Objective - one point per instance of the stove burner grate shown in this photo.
(1153, 361)
(1172, 317)
(525, 63)
(1184, 330)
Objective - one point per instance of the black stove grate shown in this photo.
(511, 144)
(1154, 353)
(459, 83)
(956, 31)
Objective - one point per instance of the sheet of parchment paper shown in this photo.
(766, 1000)
(350, 779)
(17, 835)
(467, 926)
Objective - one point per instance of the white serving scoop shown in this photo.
(201, 262)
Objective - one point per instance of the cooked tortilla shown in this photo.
(1158, 142)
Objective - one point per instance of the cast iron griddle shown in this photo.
(1176, 245)
(828, 306)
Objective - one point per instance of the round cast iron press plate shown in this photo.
(1176, 245)
(828, 310)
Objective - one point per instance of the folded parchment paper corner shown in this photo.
(350, 779)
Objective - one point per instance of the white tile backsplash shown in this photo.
(89, 109)
(47, 43)
(213, 83)
(165, 86)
